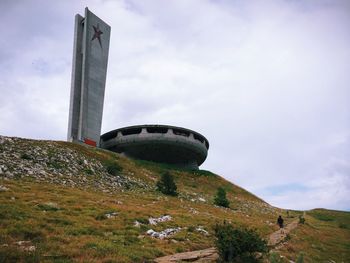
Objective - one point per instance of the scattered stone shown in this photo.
(201, 199)
(107, 234)
(111, 215)
(3, 188)
(137, 224)
(193, 211)
(155, 221)
(163, 234)
(25, 246)
(55, 163)
(202, 231)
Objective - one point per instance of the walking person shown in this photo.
(280, 223)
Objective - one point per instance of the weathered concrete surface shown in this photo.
(159, 143)
(90, 58)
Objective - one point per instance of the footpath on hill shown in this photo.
(211, 255)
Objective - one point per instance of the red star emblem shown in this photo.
(97, 34)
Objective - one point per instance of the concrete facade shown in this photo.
(90, 58)
(159, 143)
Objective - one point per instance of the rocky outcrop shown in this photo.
(205, 255)
(54, 162)
(163, 234)
(155, 221)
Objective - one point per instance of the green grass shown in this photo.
(321, 238)
(69, 224)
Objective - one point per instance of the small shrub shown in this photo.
(238, 244)
(276, 258)
(301, 220)
(55, 164)
(288, 237)
(112, 167)
(25, 156)
(191, 229)
(88, 171)
(343, 226)
(220, 198)
(179, 250)
(300, 258)
(142, 220)
(100, 217)
(166, 184)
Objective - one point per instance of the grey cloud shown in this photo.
(266, 83)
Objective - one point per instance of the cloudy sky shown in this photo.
(267, 82)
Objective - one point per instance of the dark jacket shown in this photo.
(280, 221)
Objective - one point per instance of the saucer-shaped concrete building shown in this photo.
(158, 143)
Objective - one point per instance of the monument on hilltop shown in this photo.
(90, 57)
(158, 143)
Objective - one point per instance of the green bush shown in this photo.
(220, 198)
(276, 258)
(301, 220)
(342, 225)
(166, 184)
(88, 171)
(25, 156)
(300, 258)
(142, 220)
(55, 164)
(112, 167)
(238, 244)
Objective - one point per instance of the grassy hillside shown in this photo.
(70, 203)
(324, 238)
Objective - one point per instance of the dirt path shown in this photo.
(205, 255)
(211, 255)
(279, 235)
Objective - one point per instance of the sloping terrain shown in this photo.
(64, 202)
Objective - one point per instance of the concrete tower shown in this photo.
(90, 57)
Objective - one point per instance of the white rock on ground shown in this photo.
(3, 188)
(163, 234)
(155, 221)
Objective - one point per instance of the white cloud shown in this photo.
(266, 83)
